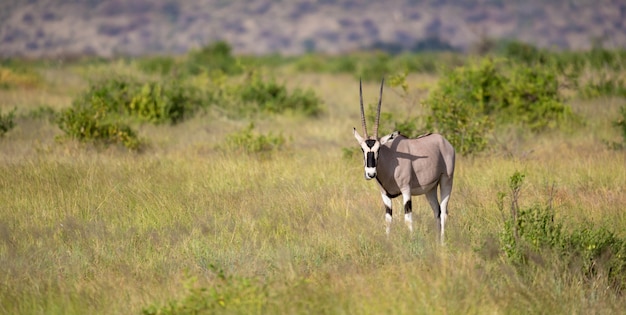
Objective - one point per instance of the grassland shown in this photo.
(187, 226)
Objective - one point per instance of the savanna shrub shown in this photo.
(479, 83)
(533, 231)
(108, 96)
(90, 124)
(259, 95)
(215, 57)
(531, 97)
(6, 122)
(104, 111)
(536, 231)
(599, 252)
(158, 102)
(155, 102)
(459, 121)
(461, 105)
(472, 99)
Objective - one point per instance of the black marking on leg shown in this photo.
(388, 210)
(438, 212)
(393, 196)
(408, 207)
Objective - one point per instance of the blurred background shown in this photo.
(109, 28)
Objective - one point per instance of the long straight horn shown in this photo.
(380, 101)
(362, 110)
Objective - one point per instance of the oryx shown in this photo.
(408, 167)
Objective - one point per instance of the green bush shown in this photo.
(108, 96)
(90, 124)
(215, 57)
(104, 111)
(533, 232)
(600, 252)
(536, 231)
(158, 102)
(155, 102)
(461, 105)
(470, 100)
(460, 122)
(531, 97)
(6, 122)
(258, 95)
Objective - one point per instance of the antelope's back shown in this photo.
(430, 155)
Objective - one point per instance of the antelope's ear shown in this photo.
(357, 136)
(389, 138)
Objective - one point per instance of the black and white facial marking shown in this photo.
(370, 148)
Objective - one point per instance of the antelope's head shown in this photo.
(371, 145)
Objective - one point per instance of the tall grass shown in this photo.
(185, 224)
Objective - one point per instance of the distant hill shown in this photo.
(107, 28)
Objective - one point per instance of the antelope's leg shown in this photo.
(388, 212)
(431, 196)
(408, 210)
(445, 188)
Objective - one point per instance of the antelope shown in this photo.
(408, 167)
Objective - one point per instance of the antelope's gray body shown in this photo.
(409, 167)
